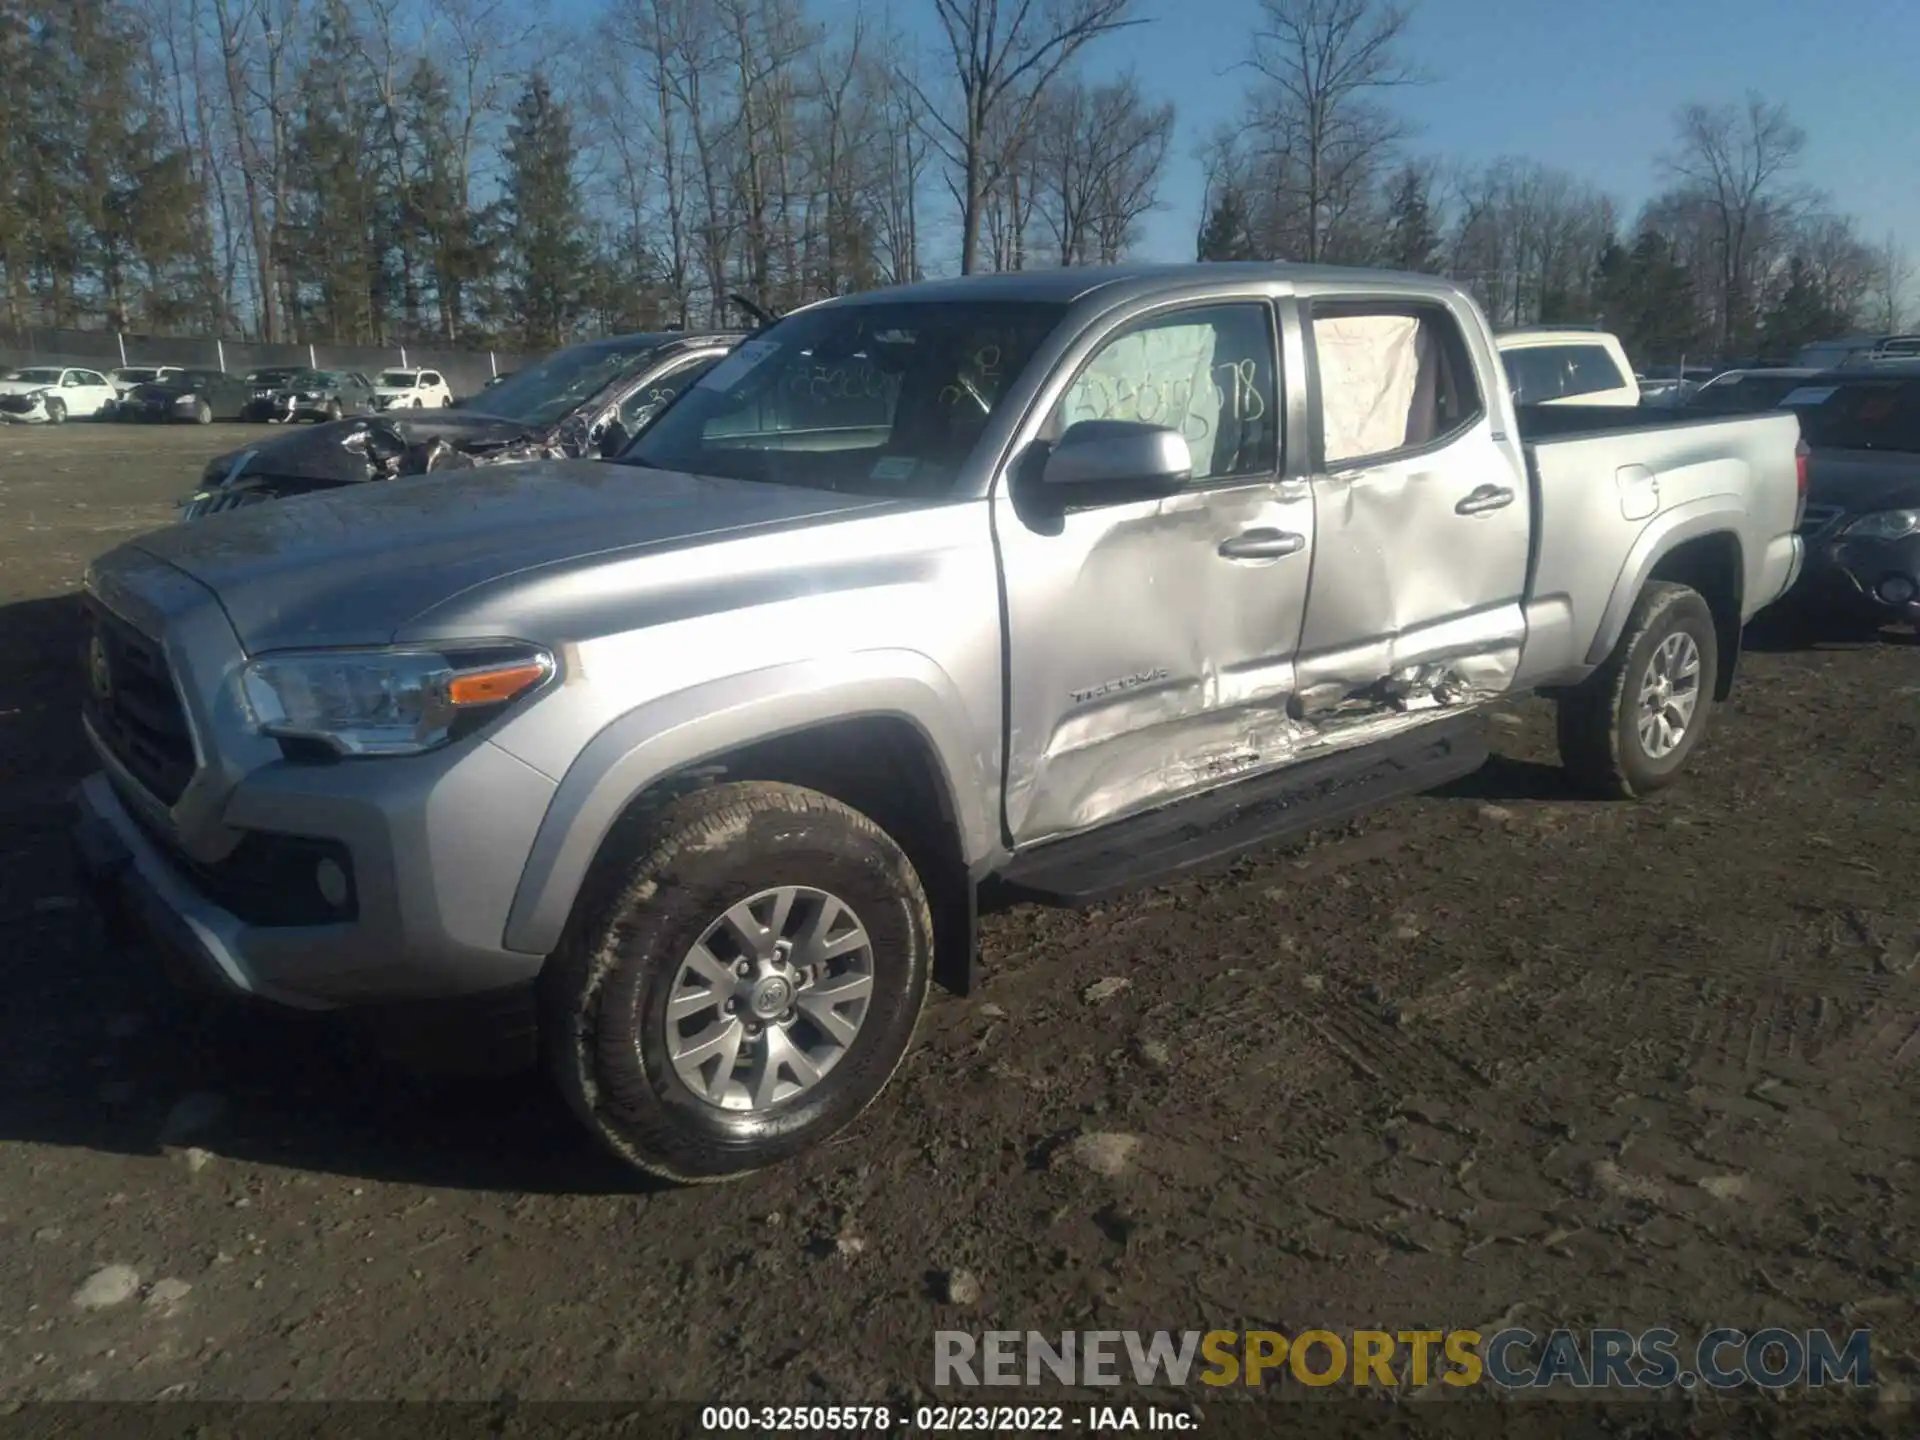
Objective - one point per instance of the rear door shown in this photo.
(1421, 510)
(1150, 641)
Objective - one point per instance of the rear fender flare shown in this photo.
(1709, 515)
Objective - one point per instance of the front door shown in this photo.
(1422, 515)
(1151, 641)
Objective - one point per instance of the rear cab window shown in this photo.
(1392, 379)
(1539, 373)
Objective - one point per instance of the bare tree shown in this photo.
(1891, 288)
(906, 151)
(1098, 154)
(1841, 265)
(1003, 64)
(1322, 64)
(1731, 162)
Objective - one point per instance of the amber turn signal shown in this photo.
(494, 686)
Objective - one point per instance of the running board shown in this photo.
(1219, 825)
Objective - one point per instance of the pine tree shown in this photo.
(1412, 241)
(336, 200)
(1227, 231)
(543, 235)
(1646, 297)
(1801, 313)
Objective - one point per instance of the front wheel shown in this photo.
(334, 412)
(739, 981)
(1629, 728)
(56, 412)
(203, 414)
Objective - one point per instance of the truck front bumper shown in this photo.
(428, 992)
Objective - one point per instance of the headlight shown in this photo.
(386, 702)
(1884, 525)
(186, 399)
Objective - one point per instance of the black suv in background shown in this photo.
(202, 396)
(1861, 524)
(322, 395)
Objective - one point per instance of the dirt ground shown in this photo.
(1489, 1057)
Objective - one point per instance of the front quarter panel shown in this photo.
(688, 655)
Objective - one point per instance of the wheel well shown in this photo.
(1711, 565)
(885, 768)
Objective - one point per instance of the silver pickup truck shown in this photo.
(689, 771)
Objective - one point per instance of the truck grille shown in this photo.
(1817, 519)
(133, 706)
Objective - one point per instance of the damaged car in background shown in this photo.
(585, 401)
(52, 394)
(315, 395)
(687, 770)
(1862, 523)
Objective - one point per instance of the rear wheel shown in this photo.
(56, 410)
(1630, 727)
(739, 981)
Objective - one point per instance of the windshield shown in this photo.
(1870, 416)
(136, 375)
(546, 393)
(881, 399)
(187, 379)
(271, 377)
(37, 377)
(397, 379)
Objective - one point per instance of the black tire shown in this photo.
(655, 890)
(1600, 745)
(56, 410)
(334, 412)
(203, 414)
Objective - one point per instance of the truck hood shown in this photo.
(1863, 481)
(354, 566)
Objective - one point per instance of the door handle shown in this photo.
(1262, 545)
(1483, 499)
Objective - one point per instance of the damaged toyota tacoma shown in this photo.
(688, 772)
(587, 400)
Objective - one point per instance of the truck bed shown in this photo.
(1611, 482)
(1567, 422)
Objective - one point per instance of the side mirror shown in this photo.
(1105, 460)
(613, 439)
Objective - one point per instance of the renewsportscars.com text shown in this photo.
(1512, 1359)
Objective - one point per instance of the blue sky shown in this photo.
(1589, 86)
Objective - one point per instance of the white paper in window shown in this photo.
(1368, 367)
(1162, 376)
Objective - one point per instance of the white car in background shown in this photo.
(1548, 366)
(127, 376)
(411, 390)
(51, 394)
